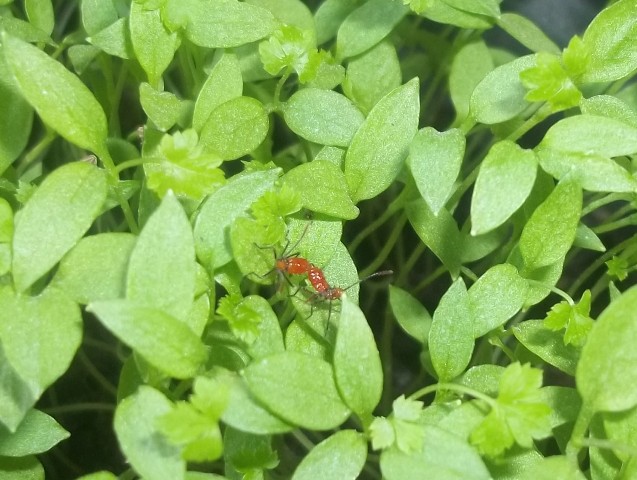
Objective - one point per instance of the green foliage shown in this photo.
(192, 193)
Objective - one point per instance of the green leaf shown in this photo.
(39, 336)
(329, 16)
(154, 46)
(593, 172)
(162, 268)
(444, 12)
(469, 66)
(500, 95)
(16, 395)
(224, 83)
(243, 320)
(289, 47)
(609, 40)
(244, 413)
(340, 456)
(372, 75)
(222, 208)
(246, 452)
(192, 430)
(76, 192)
(163, 341)
(605, 367)
(95, 269)
(586, 238)
(357, 367)
(411, 315)
(235, 128)
(60, 98)
(366, 26)
(548, 81)
(322, 188)
(269, 340)
(40, 14)
(379, 147)
(434, 160)
(298, 388)
(547, 345)
(574, 318)
(97, 15)
(36, 434)
(495, 297)
(6, 236)
(147, 450)
(451, 334)
(22, 468)
(591, 135)
(440, 233)
(443, 455)
(219, 23)
(162, 108)
(527, 33)
(322, 116)
(553, 467)
(114, 39)
(610, 106)
(183, 167)
(519, 415)
(549, 233)
(24, 30)
(14, 128)
(290, 12)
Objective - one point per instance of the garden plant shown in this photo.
(192, 190)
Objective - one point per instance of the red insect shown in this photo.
(288, 263)
(327, 293)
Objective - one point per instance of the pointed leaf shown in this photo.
(219, 23)
(40, 335)
(60, 98)
(322, 188)
(76, 192)
(298, 388)
(147, 450)
(322, 116)
(36, 434)
(411, 315)
(440, 233)
(154, 46)
(357, 367)
(372, 75)
(609, 40)
(451, 334)
(549, 233)
(380, 145)
(163, 341)
(367, 25)
(338, 457)
(504, 182)
(606, 364)
(495, 297)
(434, 160)
(222, 208)
(162, 268)
(500, 95)
(223, 84)
(443, 455)
(469, 66)
(235, 128)
(527, 33)
(547, 345)
(14, 128)
(96, 268)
